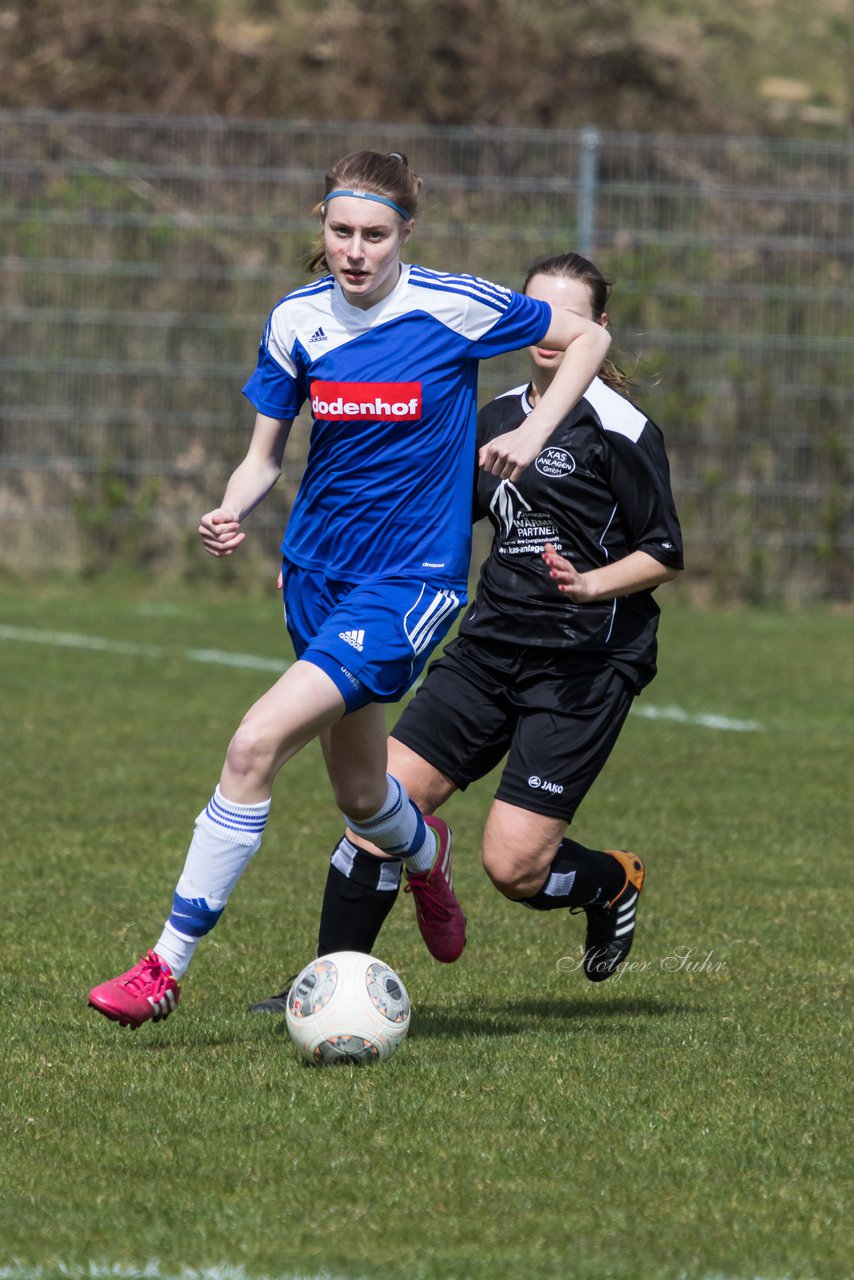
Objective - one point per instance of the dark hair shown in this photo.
(572, 266)
(386, 175)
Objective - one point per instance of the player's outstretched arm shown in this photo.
(586, 345)
(250, 483)
(637, 571)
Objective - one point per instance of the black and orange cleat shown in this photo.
(611, 925)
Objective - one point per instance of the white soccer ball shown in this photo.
(347, 1007)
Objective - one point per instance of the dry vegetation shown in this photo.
(709, 66)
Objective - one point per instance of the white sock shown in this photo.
(176, 949)
(226, 837)
(424, 859)
(399, 828)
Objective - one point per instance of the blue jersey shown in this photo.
(387, 487)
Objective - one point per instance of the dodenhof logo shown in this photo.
(366, 401)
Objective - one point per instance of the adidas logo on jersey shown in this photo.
(318, 335)
(356, 639)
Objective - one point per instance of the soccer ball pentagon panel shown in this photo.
(347, 1007)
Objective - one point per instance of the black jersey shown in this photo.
(598, 490)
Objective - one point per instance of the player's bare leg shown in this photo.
(529, 860)
(227, 834)
(362, 883)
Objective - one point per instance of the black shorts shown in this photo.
(553, 713)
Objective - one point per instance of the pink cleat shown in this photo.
(148, 990)
(440, 916)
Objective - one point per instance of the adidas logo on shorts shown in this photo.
(356, 639)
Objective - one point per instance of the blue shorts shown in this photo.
(372, 638)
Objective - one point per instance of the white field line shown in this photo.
(250, 662)
(99, 644)
(703, 719)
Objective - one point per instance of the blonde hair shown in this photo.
(388, 176)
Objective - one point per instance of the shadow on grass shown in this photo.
(510, 1017)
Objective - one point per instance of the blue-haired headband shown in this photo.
(369, 195)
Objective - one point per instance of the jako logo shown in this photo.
(366, 401)
(541, 783)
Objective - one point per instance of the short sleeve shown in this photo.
(640, 480)
(276, 388)
(521, 323)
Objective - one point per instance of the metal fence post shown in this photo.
(136, 260)
(588, 177)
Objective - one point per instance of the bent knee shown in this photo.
(358, 803)
(512, 887)
(250, 752)
(514, 877)
(518, 848)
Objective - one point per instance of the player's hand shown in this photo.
(220, 533)
(566, 577)
(508, 455)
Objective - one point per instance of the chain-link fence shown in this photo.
(141, 256)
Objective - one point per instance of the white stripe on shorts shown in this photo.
(421, 633)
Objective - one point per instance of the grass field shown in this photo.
(689, 1118)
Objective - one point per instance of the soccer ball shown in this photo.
(347, 1007)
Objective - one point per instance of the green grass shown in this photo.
(666, 1124)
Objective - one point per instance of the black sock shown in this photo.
(578, 877)
(361, 890)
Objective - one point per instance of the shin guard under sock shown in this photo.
(361, 890)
